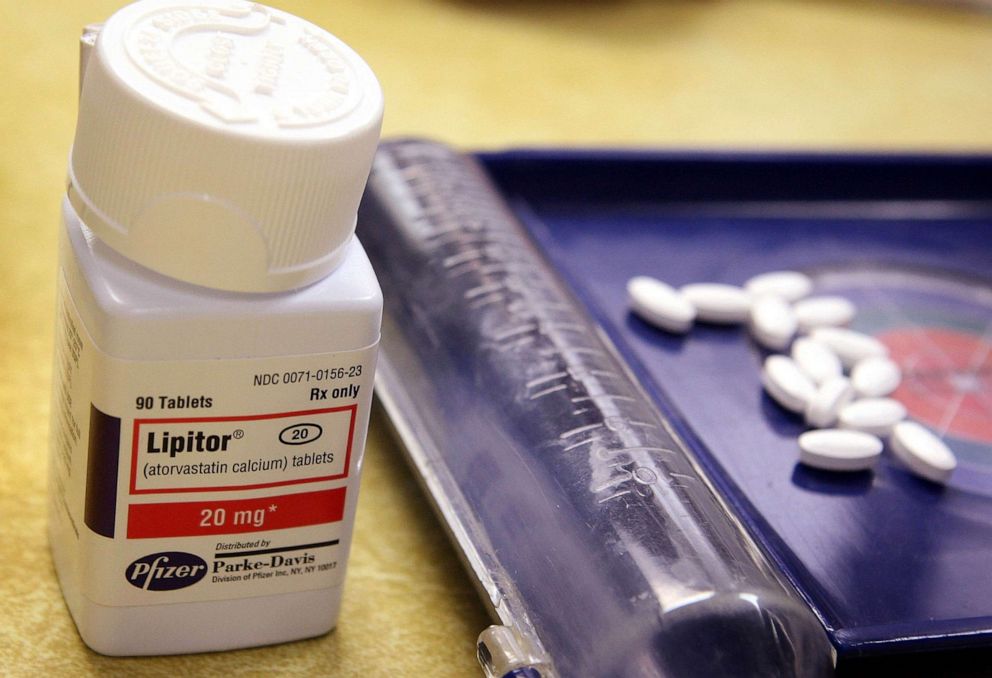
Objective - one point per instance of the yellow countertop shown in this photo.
(477, 74)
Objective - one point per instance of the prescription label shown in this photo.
(207, 479)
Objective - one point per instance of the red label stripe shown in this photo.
(194, 518)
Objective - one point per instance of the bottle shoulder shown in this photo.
(134, 313)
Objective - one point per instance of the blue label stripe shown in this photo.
(101, 472)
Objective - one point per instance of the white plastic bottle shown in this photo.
(217, 326)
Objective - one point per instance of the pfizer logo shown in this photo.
(166, 571)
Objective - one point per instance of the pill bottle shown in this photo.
(216, 331)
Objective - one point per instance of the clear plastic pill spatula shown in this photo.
(595, 537)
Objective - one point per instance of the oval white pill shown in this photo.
(660, 304)
(816, 359)
(786, 383)
(876, 416)
(825, 311)
(789, 285)
(924, 453)
(718, 303)
(836, 450)
(773, 323)
(827, 402)
(850, 346)
(875, 377)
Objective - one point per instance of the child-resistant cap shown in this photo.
(223, 143)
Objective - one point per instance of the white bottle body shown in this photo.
(200, 522)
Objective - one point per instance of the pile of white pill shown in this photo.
(837, 379)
